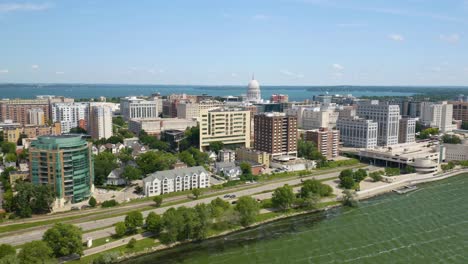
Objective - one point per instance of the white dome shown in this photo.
(254, 85)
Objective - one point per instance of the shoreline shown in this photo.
(371, 194)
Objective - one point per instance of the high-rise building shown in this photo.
(18, 109)
(36, 116)
(327, 141)
(71, 115)
(100, 121)
(188, 110)
(325, 99)
(387, 116)
(438, 115)
(315, 118)
(407, 130)
(460, 111)
(275, 133)
(230, 125)
(358, 132)
(133, 107)
(65, 163)
(253, 91)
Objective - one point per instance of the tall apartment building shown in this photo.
(65, 163)
(100, 122)
(18, 109)
(275, 133)
(387, 116)
(133, 107)
(438, 115)
(460, 111)
(407, 130)
(229, 125)
(315, 118)
(36, 116)
(71, 115)
(327, 141)
(13, 134)
(256, 156)
(358, 132)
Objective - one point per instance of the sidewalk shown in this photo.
(114, 244)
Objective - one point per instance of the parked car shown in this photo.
(233, 196)
(75, 208)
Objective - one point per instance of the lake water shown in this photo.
(297, 93)
(429, 225)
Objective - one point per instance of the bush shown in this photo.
(376, 175)
(158, 200)
(392, 171)
(131, 243)
(109, 203)
(6, 250)
(92, 202)
(106, 258)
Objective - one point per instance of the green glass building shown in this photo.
(66, 163)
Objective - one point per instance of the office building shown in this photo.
(326, 140)
(71, 115)
(407, 130)
(18, 110)
(66, 164)
(315, 118)
(460, 111)
(133, 107)
(155, 126)
(276, 133)
(324, 99)
(13, 134)
(230, 125)
(279, 98)
(358, 132)
(439, 115)
(176, 180)
(458, 152)
(100, 122)
(388, 118)
(188, 110)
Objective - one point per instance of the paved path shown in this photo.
(108, 222)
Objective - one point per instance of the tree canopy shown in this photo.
(35, 252)
(153, 161)
(29, 199)
(283, 197)
(104, 163)
(133, 220)
(64, 239)
(248, 209)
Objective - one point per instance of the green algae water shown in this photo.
(429, 225)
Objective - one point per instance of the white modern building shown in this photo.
(154, 126)
(70, 115)
(190, 110)
(388, 118)
(315, 118)
(133, 107)
(253, 91)
(176, 180)
(100, 122)
(438, 115)
(358, 132)
(456, 151)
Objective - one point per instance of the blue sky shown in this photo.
(284, 42)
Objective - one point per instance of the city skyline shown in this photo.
(290, 42)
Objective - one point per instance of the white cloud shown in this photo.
(11, 7)
(260, 17)
(233, 75)
(452, 38)
(59, 72)
(35, 66)
(337, 67)
(396, 37)
(292, 74)
(4, 71)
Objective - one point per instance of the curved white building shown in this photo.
(253, 91)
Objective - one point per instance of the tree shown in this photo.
(204, 218)
(154, 223)
(186, 157)
(131, 173)
(35, 252)
(464, 125)
(131, 243)
(309, 201)
(106, 258)
(119, 121)
(172, 221)
(104, 163)
(349, 199)
(451, 139)
(283, 197)
(359, 175)
(218, 206)
(78, 130)
(31, 199)
(216, 146)
(133, 220)
(10, 157)
(248, 209)
(346, 173)
(409, 169)
(347, 182)
(376, 175)
(201, 158)
(120, 229)
(8, 147)
(6, 249)
(191, 223)
(308, 150)
(196, 193)
(115, 139)
(125, 155)
(428, 132)
(315, 187)
(64, 239)
(246, 168)
(92, 202)
(153, 161)
(392, 171)
(158, 200)
(109, 203)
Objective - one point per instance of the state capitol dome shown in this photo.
(253, 91)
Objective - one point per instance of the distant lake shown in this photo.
(296, 93)
(429, 225)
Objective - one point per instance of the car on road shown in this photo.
(233, 196)
(75, 208)
(227, 196)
